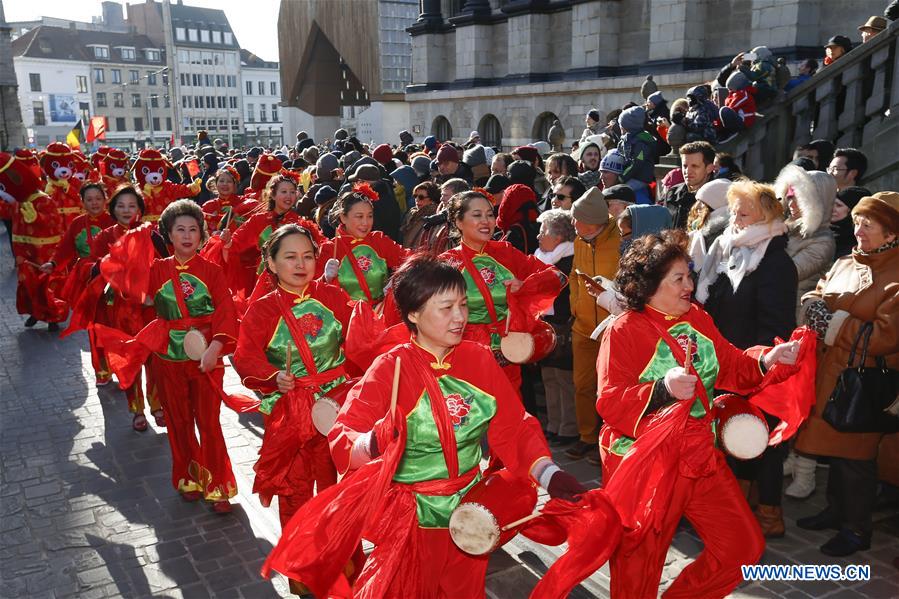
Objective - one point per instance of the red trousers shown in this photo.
(190, 400)
(447, 571)
(720, 515)
(34, 296)
(98, 358)
(311, 470)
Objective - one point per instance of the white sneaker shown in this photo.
(789, 464)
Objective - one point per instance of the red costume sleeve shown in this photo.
(65, 251)
(325, 253)
(392, 252)
(336, 299)
(101, 243)
(176, 191)
(247, 235)
(249, 359)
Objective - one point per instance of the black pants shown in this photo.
(767, 470)
(851, 493)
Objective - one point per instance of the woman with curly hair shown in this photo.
(645, 378)
(358, 259)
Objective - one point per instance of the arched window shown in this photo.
(542, 126)
(491, 131)
(441, 129)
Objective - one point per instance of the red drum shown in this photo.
(524, 348)
(741, 427)
(476, 525)
(326, 407)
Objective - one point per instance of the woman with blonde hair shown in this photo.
(748, 286)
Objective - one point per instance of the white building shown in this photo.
(260, 82)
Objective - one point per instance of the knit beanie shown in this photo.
(714, 193)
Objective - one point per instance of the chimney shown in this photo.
(112, 14)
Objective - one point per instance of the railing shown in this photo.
(854, 102)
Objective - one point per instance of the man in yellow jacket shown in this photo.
(596, 252)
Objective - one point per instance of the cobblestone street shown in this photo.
(88, 509)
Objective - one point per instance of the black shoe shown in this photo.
(53, 327)
(580, 450)
(563, 440)
(550, 437)
(822, 521)
(30, 322)
(845, 543)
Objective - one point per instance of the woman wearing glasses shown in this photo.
(427, 196)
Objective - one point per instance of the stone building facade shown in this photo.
(12, 131)
(260, 84)
(508, 68)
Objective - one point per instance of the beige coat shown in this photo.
(857, 289)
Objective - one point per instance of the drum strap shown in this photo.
(440, 414)
(679, 355)
(176, 289)
(351, 258)
(481, 284)
(299, 339)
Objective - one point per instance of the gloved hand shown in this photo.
(331, 267)
(382, 433)
(565, 486)
(680, 384)
(609, 301)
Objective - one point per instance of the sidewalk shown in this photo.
(87, 509)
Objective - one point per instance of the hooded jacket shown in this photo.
(637, 145)
(517, 217)
(644, 220)
(700, 118)
(811, 243)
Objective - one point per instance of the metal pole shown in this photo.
(150, 118)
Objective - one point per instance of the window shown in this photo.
(116, 76)
(192, 35)
(127, 53)
(220, 81)
(135, 76)
(274, 112)
(249, 88)
(194, 57)
(232, 102)
(81, 84)
(168, 123)
(273, 86)
(167, 102)
(207, 80)
(235, 124)
(216, 37)
(85, 109)
(210, 101)
(120, 124)
(204, 36)
(232, 81)
(99, 76)
(39, 118)
(263, 115)
(229, 39)
(491, 131)
(441, 129)
(154, 101)
(118, 99)
(250, 113)
(153, 55)
(220, 101)
(198, 101)
(183, 56)
(184, 100)
(207, 58)
(165, 78)
(101, 51)
(156, 123)
(35, 79)
(195, 78)
(180, 34)
(151, 78)
(138, 123)
(185, 79)
(262, 88)
(135, 101)
(101, 99)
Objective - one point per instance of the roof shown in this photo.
(248, 59)
(62, 43)
(196, 14)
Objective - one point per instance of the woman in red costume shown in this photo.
(127, 314)
(189, 294)
(646, 382)
(228, 208)
(73, 255)
(358, 259)
(243, 249)
(493, 271)
(449, 394)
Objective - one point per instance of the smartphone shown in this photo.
(588, 281)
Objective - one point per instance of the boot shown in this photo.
(750, 490)
(771, 520)
(790, 463)
(803, 484)
(745, 485)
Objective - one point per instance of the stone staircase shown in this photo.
(854, 102)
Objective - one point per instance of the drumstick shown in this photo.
(508, 324)
(289, 359)
(688, 360)
(527, 518)
(394, 391)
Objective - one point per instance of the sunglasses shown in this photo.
(562, 196)
(421, 197)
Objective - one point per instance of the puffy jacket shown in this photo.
(597, 257)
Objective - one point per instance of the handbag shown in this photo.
(860, 400)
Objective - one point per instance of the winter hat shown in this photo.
(254, 152)
(648, 88)
(543, 148)
(304, 143)
(528, 153)
(619, 193)
(851, 196)
(633, 119)
(841, 41)
(517, 200)
(805, 163)
(324, 166)
(655, 98)
(341, 134)
(474, 135)
(366, 172)
(176, 154)
(447, 153)
(430, 142)
(325, 194)
(763, 53)
(697, 93)
(422, 166)
(349, 158)
(737, 81)
(474, 156)
(522, 172)
(875, 24)
(243, 168)
(613, 162)
(882, 207)
(714, 193)
(594, 115)
(497, 183)
(591, 208)
(383, 154)
(310, 154)
(406, 138)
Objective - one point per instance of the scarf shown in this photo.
(736, 254)
(563, 250)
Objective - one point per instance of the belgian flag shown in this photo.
(76, 135)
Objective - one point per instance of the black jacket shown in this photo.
(764, 306)
(561, 321)
(679, 199)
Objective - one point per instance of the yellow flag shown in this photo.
(74, 136)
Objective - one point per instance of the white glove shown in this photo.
(331, 267)
(609, 301)
(680, 384)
